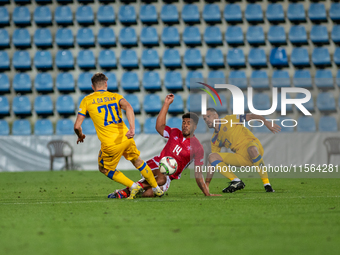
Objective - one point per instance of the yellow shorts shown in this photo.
(241, 157)
(109, 158)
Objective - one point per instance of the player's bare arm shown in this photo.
(201, 183)
(271, 126)
(78, 129)
(161, 119)
(130, 115)
(210, 175)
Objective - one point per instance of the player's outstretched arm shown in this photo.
(270, 125)
(130, 115)
(78, 129)
(161, 119)
(200, 182)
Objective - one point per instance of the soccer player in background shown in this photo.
(182, 146)
(248, 150)
(116, 139)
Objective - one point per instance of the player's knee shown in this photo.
(213, 156)
(102, 170)
(253, 151)
(148, 193)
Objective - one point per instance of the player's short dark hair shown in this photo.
(212, 110)
(192, 116)
(98, 78)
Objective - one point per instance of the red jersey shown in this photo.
(184, 150)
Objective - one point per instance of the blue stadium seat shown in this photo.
(213, 36)
(275, 13)
(218, 107)
(324, 79)
(276, 35)
(42, 16)
(286, 122)
(151, 81)
(173, 81)
(306, 124)
(289, 107)
(63, 15)
(319, 34)
(259, 79)
(246, 109)
(190, 13)
(64, 127)
(4, 83)
(337, 79)
(325, 102)
(148, 14)
(253, 13)
(336, 34)
(21, 127)
(22, 83)
(303, 79)
(193, 58)
(336, 56)
(278, 57)
(194, 103)
(296, 12)
(130, 81)
(300, 57)
(134, 102)
(21, 38)
(150, 58)
(4, 128)
(65, 105)
(86, 59)
(84, 82)
(201, 127)
(64, 37)
(4, 60)
(4, 16)
(177, 106)
(85, 37)
(169, 13)
(234, 35)
(43, 105)
(152, 104)
(309, 105)
(127, 14)
(4, 106)
(4, 38)
(236, 58)
(171, 58)
(106, 37)
(170, 36)
(334, 12)
(138, 128)
(280, 78)
(88, 127)
(192, 78)
(321, 57)
(217, 77)
(43, 60)
(128, 36)
(238, 78)
(174, 122)
(257, 57)
(328, 124)
(129, 59)
(84, 15)
(21, 60)
(65, 82)
(297, 35)
(43, 127)
(21, 16)
(43, 37)
(21, 106)
(150, 126)
(107, 59)
(232, 13)
(106, 15)
(214, 58)
(112, 84)
(43, 83)
(317, 12)
(64, 59)
(211, 13)
(191, 35)
(149, 36)
(261, 101)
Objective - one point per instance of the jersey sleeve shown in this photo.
(199, 155)
(167, 132)
(83, 107)
(118, 98)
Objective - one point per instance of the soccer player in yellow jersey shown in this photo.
(247, 149)
(116, 139)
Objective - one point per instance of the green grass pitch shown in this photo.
(68, 213)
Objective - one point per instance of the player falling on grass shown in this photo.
(247, 149)
(182, 146)
(116, 139)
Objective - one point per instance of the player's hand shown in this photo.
(81, 139)
(169, 99)
(273, 127)
(214, 195)
(130, 133)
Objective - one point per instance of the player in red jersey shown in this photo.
(182, 146)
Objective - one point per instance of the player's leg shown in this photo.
(164, 187)
(217, 161)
